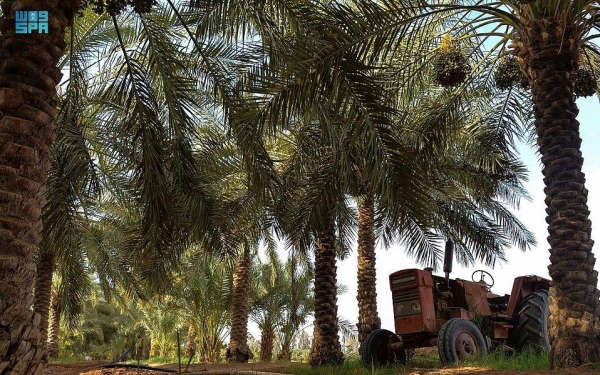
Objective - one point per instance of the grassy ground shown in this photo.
(165, 360)
(525, 361)
(528, 362)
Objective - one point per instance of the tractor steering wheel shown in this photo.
(482, 278)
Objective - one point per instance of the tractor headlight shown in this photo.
(407, 308)
(406, 302)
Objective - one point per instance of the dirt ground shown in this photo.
(93, 368)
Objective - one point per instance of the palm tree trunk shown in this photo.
(294, 307)
(54, 326)
(574, 297)
(286, 337)
(237, 350)
(368, 318)
(204, 352)
(147, 346)
(43, 286)
(191, 346)
(285, 354)
(267, 338)
(326, 348)
(28, 79)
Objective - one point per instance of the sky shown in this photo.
(531, 213)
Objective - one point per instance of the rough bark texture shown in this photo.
(54, 326)
(209, 352)
(237, 350)
(368, 318)
(548, 53)
(326, 348)
(285, 354)
(267, 339)
(43, 287)
(191, 347)
(147, 346)
(28, 79)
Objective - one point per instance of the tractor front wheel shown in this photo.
(375, 351)
(460, 340)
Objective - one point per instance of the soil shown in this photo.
(94, 368)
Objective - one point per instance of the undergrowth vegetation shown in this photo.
(527, 360)
(524, 360)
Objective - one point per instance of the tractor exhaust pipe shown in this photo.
(448, 258)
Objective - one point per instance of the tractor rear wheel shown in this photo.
(532, 330)
(375, 349)
(460, 340)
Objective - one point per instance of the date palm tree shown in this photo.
(267, 301)
(281, 300)
(202, 295)
(300, 302)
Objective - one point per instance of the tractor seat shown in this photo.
(494, 298)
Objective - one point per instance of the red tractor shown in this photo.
(462, 318)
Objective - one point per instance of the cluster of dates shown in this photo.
(508, 74)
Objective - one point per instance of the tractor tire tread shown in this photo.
(372, 339)
(532, 330)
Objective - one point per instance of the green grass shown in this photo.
(525, 360)
(165, 360)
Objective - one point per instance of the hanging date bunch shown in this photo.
(115, 7)
(508, 74)
(585, 83)
(450, 64)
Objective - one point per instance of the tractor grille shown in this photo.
(403, 280)
(407, 303)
